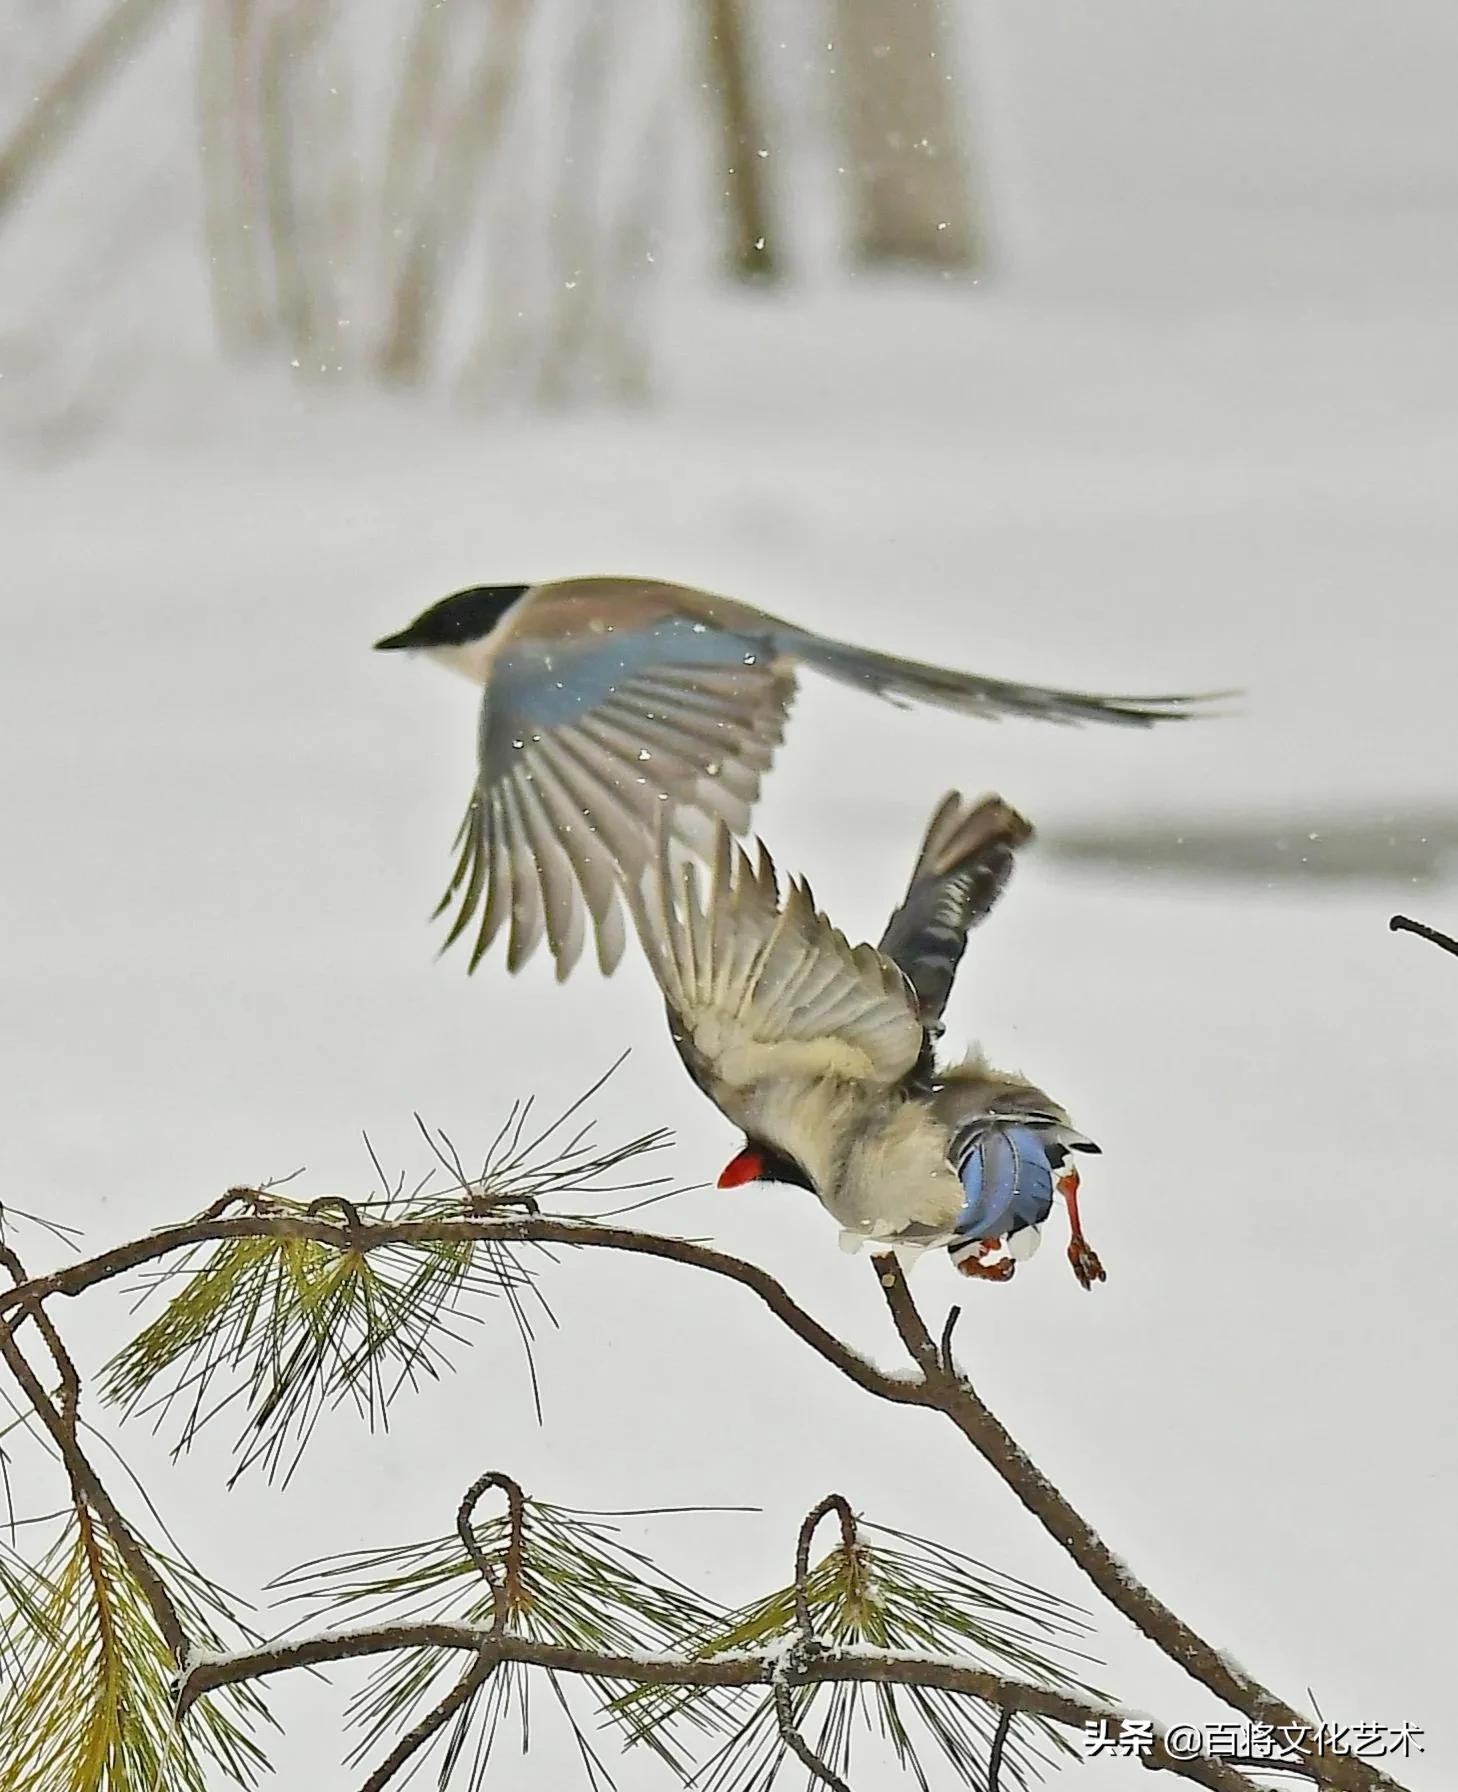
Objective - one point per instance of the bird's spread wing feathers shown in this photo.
(584, 744)
(966, 860)
(760, 985)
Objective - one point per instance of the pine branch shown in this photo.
(93, 1663)
(538, 1572)
(879, 1592)
(832, 1666)
(76, 1278)
(61, 1421)
(936, 1388)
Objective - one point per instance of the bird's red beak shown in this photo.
(747, 1167)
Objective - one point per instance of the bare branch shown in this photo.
(953, 1395)
(434, 1721)
(1401, 924)
(796, 1743)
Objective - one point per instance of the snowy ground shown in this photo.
(226, 821)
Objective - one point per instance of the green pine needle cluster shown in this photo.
(894, 1592)
(292, 1326)
(86, 1698)
(579, 1586)
(288, 1327)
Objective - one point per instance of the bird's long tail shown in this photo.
(912, 681)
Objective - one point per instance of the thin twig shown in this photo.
(351, 1213)
(999, 1743)
(833, 1502)
(1401, 924)
(949, 1364)
(796, 1743)
(506, 1593)
(432, 1723)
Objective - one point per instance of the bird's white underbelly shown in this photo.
(896, 1178)
(880, 1167)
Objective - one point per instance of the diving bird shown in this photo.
(605, 700)
(824, 1054)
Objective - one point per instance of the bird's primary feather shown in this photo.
(965, 861)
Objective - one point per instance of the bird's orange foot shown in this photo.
(1081, 1254)
(1000, 1271)
(1085, 1261)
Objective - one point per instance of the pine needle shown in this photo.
(87, 1699)
(580, 1586)
(896, 1592)
(292, 1326)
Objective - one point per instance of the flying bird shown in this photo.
(605, 700)
(824, 1054)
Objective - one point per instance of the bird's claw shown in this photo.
(1085, 1261)
(1001, 1271)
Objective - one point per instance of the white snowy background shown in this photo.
(1200, 430)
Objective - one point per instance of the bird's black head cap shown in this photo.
(463, 616)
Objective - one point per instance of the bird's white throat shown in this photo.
(472, 659)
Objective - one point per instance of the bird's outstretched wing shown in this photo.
(965, 860)
(585, 739)
(761, 986)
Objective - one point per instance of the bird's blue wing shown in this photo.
(544, 681)
(586, 739)
(1007, 1180)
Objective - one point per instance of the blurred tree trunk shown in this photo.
(233, 222)
(454, 136)
(293, 155)
(276, 232)
(751, 251)
(56, 111)
(897, 104)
